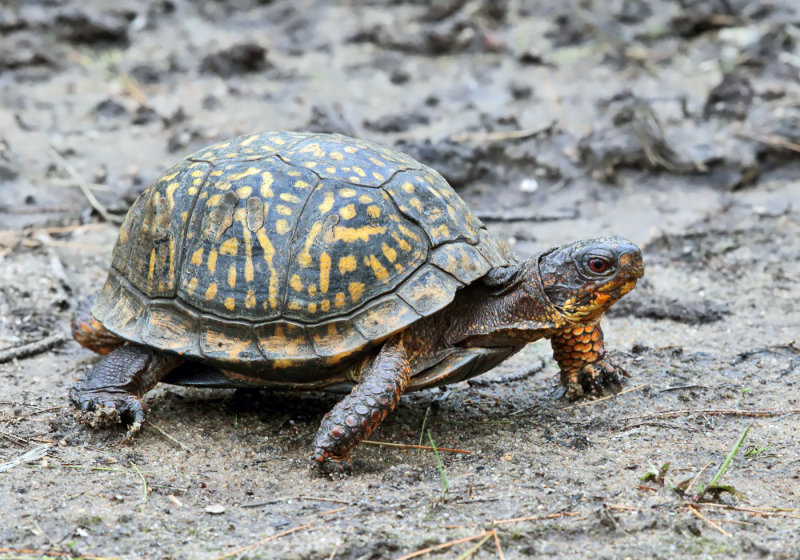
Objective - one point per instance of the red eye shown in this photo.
(598, 265)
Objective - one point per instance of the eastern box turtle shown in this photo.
(309, 261)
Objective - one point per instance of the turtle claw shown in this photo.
(595, 378)
(106, 407)
(327, 463)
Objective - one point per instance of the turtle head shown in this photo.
(583, 279)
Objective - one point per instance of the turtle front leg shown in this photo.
(381, 384)
(112, 391)
(585, 368)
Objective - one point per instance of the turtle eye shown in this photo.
(598, 265)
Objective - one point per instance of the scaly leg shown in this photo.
(585, 368)
(112, 391)
(381, 384)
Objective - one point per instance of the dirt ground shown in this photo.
(674, 123)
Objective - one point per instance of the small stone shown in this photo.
(215, 509)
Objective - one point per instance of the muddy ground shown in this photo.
(675, 123)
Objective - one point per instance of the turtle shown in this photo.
(308, 261)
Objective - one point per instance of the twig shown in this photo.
(169, 437)
(412, 446)
(87, 192)
(250, 547)
(538, 517)
(781, 512)
(330, 511)
(502, 135)
(32, 348)
(497, 544)
(321, 499)
(707, 520)
(16, 439)
(587, 403)
(144, 485)
(716, 412)
(772, 140)
(441, 546)
(44, 553)
(475, 548)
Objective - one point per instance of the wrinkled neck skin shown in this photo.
(509, 308)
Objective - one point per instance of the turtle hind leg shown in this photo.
(90, 333)
(112, 391)
(381, 384)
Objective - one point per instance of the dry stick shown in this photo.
(475, 548)
(36, 552)
(716, 412)
(87, 192)
(707, 520)
(330, 511)
(412, 446)
(15, 439)
(32, 348)
(587, 403)
(169, 437)
(441, 546)
(501, 135)
(539, 517)
(782, 512)
(321, 499)
(772, 140)
(497, 544)
(250, 547)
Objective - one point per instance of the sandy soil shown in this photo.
(675, 123)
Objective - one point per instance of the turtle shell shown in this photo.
(285, 250)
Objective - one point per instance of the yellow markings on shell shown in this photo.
(327, 203)
(429, 178)
(347, 192)
(293, 173)
(232, 276)
(330, 169)
(310, 164)
(312, 307)
(441, 231)
(435, 192)
(172, 262)
(363, 233)
(336, 155)
(212, 261)
(281, 226)
(192, 286)
(269, 254)
(399, 268)
(230, 247)
(354, 179)
(376, 161)
(312, 290)
(266, 184)
(230, 303)
(408, 187)
(350, 149)
(340, 299)
(347, 264)
(296, 283)
(300, 184)
(242, 174)
(184, 216)
(378, 269)
(171, 188)
(289, 197)
(197, 257)
(241, 217)
(402, 243)
(314, 149)
(360, 172)
(223, 186)
(191, 191)
(373, 211)
(250, 300)
(365, 199)
(324, 272)
(304, 258)
(356, 290)
(348, 212)
(451, 212)
(215, 173)
(151, 271)
(249, 140)
(171, 176)
(293, 306)
(378, 176)
(389, 253)
(277, 140)
(244, 192)
(407, 232)
(214, 200)
(325, 305)
(283, 210)
(211, 292)
(415, 202)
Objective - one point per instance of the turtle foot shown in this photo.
(105, 408)
(594, 378)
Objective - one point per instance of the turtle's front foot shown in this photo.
(104, 407)
(593, 378)
(329, 463)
